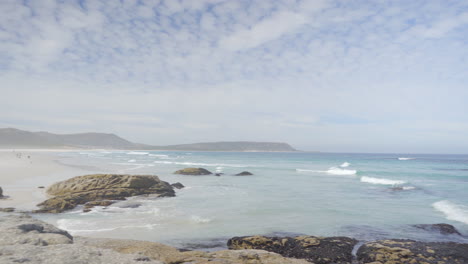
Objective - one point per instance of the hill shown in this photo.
(14, 138)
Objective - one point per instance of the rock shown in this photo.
(27, 240)
(219, 174)
(169, 254)
(444, 229)
(177, 185)
(412, 252)
(193, 171)
(7, 209)
(320, 250)
(22, 229)
(101, 188)
(41, 187)
(1, 192)
(244, 173)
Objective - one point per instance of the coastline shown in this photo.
(23, 175)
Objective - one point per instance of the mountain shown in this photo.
(232, 146)
(14, 138)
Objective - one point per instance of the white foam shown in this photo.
(407, 188)
(406, 158)
(159, 156)
(137, 153)
(452, 211)
(204, 164)
(219, 169)
(381, 181)
(199, 220)
(338, 171)
(345, 165)
(332, 170)
(132, 160)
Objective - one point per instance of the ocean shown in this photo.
(364, 196)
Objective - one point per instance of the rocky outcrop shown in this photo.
(169, 254)
(412, 252)
(101, 189)
(177, 185)
(444, 229)
(193, 171)
(244, 173)
(27, 240)
(319, 250)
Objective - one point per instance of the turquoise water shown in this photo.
(366, 196)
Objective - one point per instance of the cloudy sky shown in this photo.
(342, 76)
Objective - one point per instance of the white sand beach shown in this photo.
(23, 171)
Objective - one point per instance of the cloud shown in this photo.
(265, 31)
(318, 74)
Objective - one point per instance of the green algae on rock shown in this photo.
(402, 251)
(319, 250)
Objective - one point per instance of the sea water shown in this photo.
(365, 196)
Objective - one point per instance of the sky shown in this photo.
(334, 76)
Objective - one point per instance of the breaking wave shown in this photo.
(382, 181)
(406, 158)
(452, 211)
(137, 153)
(332, 170)
(345, 165)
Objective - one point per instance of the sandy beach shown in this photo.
(23, 171)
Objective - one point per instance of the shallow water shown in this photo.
(366, 196)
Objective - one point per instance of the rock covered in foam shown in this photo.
(320, 250)
(101, 189)
(193, 171)
(409, 252)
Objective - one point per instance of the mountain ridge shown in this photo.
(15, 138)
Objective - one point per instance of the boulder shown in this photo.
(193, 171)
(444, 229)
(244, 173)
(1, 192)
(319, 250)
(404, 251)
(177, 185)
(101, 189)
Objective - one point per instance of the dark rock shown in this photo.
(41, 187)
(1, 192)
(177, 185)
(319, 250)
(101, 188)
(219, 174)
(193, 171)
(403, 251)
(7, 209)
(444, 229)
(244, 173)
